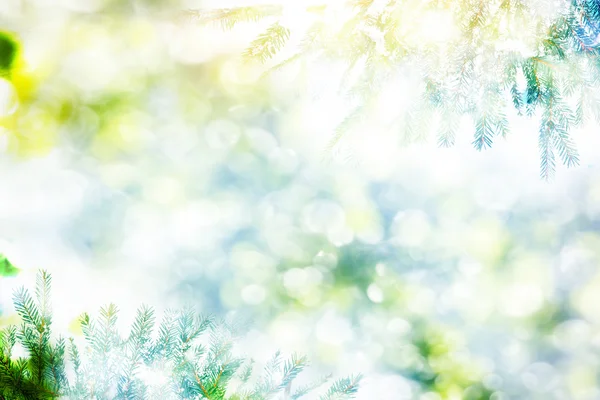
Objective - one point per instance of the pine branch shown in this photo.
(26, 308)
(484, 132)
(228, 18)
(456, 72)
(548, 163)
(42, 292)
(268, 43)
(310, 387)
(291, 369)
(343, 388)
(193, 352)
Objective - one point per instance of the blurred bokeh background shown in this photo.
(143, 160)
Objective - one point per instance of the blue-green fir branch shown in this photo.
(564, 57)
(343, 388)
(190, 357)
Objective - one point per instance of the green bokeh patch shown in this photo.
(8, 51)
(6, 268)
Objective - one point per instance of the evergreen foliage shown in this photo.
(190, 357)
(538, 58)
(230, 17)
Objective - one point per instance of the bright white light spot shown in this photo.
(325, 259)
(152, 376)
(540, 377)
(469, 268)
(430, 396)
(250, 259)
(40, 191)
(281, 238)
(372, 234)
(375, 293)
(253, 294)
(182, 139)
(521, 299)
(322, 216)
(492, 381)
(340, 237)
(573, 335)
(295, 16)
(4, 139)
(333, 329)
(163, 190)
(336, 15)
(576, 261)
(294, 279)
(449, 171)
(195, 44)
(398, 326)
(8, 98)
(491, 194)
(93, 68)
(18, 351)
(410, 228)
(240, 74)
(191, 224)
(435, 27)
(85, 6)
(10, 8)
(586, 298)
(289, 331)
(423, 301)
(222, 134)
(261, 140)
(300, 281)
(385, 387)
(283, 160)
